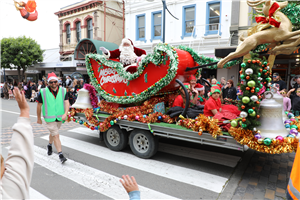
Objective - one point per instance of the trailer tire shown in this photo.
(101, 136)
(143, 144)
(115, 138)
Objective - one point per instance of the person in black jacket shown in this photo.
(277, 79)
(229, 91)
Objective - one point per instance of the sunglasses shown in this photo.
(275, 76)
(298, 92)
(282, 92)
(51, 82)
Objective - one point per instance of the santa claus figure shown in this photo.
(127, 53)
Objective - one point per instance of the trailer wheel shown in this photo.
(115, 138)
(143, 144)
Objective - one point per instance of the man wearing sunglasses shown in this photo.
(277, 79)
(53, 101)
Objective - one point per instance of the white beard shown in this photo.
(127, 56)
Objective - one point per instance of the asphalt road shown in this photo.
(179, 170)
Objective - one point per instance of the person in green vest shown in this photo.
(53, 102)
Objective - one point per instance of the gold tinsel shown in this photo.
(246, 137)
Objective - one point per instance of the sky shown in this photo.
(45, 30)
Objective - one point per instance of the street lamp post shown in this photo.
(164, 17)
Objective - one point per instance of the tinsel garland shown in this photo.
(246, 137)
(92, 93)
(161, 54)
(143, 114)
(202, 60)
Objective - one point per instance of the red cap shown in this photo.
(52, 76)
(191, 77)
(199, 87)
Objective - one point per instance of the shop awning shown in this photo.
(86, 46)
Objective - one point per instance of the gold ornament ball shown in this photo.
(71, 118)
(260, 141)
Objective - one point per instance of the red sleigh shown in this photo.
(155, 74)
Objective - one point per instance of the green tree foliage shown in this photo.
(19, 53)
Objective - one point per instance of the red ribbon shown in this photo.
(270, 18)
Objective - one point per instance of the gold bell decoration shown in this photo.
(279, 99)
(83, 100)
(271, 117)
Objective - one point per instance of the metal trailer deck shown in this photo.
(144, 144)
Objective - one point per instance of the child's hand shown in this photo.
(128, 184)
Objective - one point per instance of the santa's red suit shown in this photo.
(116, 53)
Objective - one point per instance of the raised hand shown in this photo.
(22, 103)
(129, 184)
(104, 50)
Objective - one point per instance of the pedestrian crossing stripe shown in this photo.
(212, 157)
(89, 177)
(193, 177)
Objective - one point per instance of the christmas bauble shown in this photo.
(267, 141)
(254, 98)
(251, 83)
(243, 114)
(257, 136)
(256, 89)
(243, 65)
(245, 100)
(242, 76)
(137, 117)
(244, 125)
(125, 116)
(294, 127)
(260, 141)
(112, 122)
(253, 114)
(260, 86)
(234, 123)
(249, 71)
(250, 111)
(258, 74)
(279, 138)
(291, 136)
(294, 131)
(287, 126)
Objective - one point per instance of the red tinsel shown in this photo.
(92, 92)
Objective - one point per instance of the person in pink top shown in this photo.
(286, 100)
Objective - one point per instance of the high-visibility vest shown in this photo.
(294, 182)
(53, 108)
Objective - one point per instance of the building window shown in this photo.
(213, 18)
(78, 31)
(156, 25)
(90, 28)
(189, 20)
(140, 27)
(68, 31)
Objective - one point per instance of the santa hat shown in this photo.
(125, 40)
(52, 76)
(199, 87)
(214, 89)
(191, 77)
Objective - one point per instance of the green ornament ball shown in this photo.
(268, 79)
(294, 126)
(244, 125)
(251, 83)
(265, 63)
(253, 114)
(264, 71)
(112, 122)
(245, 100)
(242, 76)
(259, 74)
(260, 85)
(267, 141)
(234, 123)
(268, 89)
(250, 111)
(243, 65)
(256, 89)
(240, 122)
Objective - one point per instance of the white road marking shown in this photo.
(91, 178)
(85, 131)
(213, 157)
(193, 177)
(33, 194)
(17, 113)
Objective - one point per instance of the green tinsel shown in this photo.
(160, 54)
(202, 60)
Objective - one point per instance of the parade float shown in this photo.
(136, 97)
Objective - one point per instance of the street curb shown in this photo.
(236, 176)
